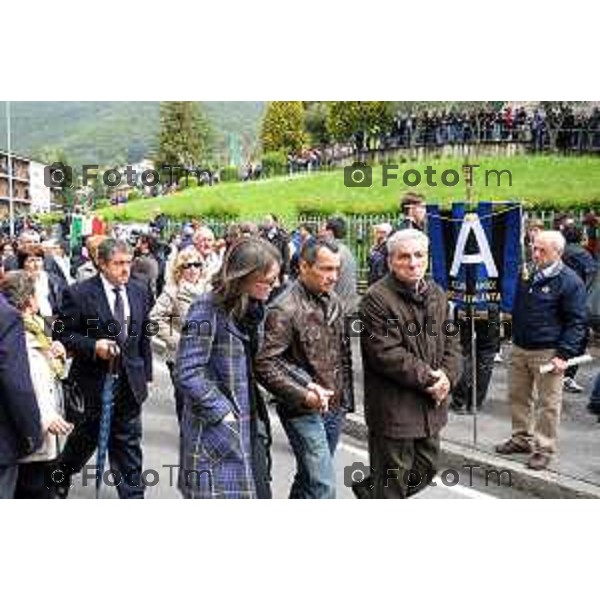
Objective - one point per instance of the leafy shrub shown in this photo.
(190, 181)
(135, 195)
(274, 163)
(229, 174)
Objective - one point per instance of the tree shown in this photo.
(64, 180)
(185, 135)
(315, 122)
(283, 127)
(357, 121)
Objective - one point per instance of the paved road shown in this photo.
(161, 454)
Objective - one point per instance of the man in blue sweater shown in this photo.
(549, 321)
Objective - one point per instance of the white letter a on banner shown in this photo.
(472, 223)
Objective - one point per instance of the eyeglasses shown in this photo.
(198, 265)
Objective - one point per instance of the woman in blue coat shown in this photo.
(224, 425)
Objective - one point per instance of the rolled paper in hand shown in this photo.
(578, 360)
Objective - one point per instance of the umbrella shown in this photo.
(108, 403)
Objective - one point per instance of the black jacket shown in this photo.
(582, 262)
(86, 313)
(20, 422)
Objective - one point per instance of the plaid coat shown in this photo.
(212, 374)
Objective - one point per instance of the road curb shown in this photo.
(542, 484)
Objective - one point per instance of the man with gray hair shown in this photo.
(548, 324)
(105, 319)
(204, 241)
(411, 363)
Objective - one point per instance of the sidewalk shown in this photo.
(575, 472)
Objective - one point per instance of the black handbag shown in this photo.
(74, 402)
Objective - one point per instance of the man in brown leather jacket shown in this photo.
(412, 359)
(305, 363)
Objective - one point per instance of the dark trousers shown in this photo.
(403, 467)
(594, 405)
(487, 344)
(33, 481)
(8, 481)
(178, 394)
(261, 460)
(124, 447)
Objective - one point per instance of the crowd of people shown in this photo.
(261, 315)
(574, 131)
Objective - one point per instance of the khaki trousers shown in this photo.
(541, 430)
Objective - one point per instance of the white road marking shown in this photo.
(462, 490)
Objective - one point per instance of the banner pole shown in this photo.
(474, 373)
(468, 172)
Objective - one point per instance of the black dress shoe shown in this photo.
(459, 409)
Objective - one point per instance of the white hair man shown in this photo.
(549, 320)
(410, 365)
(204, 241)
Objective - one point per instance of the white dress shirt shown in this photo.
(111, 297)
(42, 294)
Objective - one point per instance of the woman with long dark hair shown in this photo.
(224, 423)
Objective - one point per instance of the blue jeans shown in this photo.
(314, 439)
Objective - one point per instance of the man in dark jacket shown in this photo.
(414, 216)
(104, 328)
(273, 233)
(377, 259)
(414, 212)
(549, 320)
(20, 422)
(585, 265)
(305, 363)
(346, 287)
(411, 363)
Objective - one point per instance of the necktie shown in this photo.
(538, 276)
(119, 314)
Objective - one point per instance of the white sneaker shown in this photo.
(570, 385)
(498, 358)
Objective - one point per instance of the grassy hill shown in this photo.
(108, 133)
(540, 181)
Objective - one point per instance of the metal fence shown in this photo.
(359, 230)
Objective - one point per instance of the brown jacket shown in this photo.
(398, 364)
(304, 342)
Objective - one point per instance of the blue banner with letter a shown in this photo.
(476, 254)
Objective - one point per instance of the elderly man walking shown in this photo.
(549, 321)
(410, 366)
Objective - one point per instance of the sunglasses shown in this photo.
(198, 265)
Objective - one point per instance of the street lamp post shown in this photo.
(10, 173)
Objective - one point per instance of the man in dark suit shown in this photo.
(104, 328)
(20, 423)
